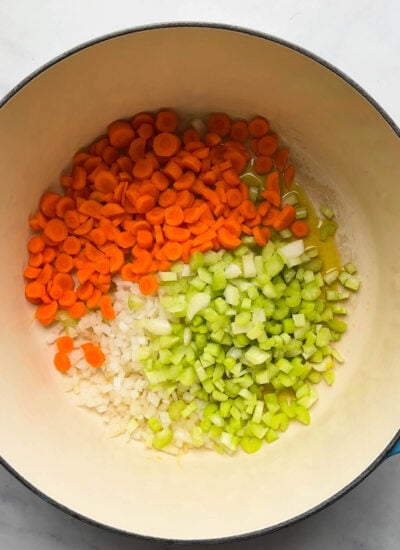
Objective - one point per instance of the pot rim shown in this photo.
(282, 42)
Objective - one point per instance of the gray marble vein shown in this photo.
(361, 38)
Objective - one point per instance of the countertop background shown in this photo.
(360, 37)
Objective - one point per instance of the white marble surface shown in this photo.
(360, 37)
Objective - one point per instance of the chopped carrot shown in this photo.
(300, 228)
(263, 164)
(142, 118)
(31, 272)
(173, 250)
(289, 175)
(36, 260)
(105, 181)
(148, 284)
(267, 145)
(144, 238)
(166, 121)
(285, 218)
(248, 210)
(234, 197)
(228, 240)
(77, 310)
(56, 230)
(190, 135)
(239, 131)
(64, 263)
(143, 169)
(159, 180)
(106, 308)
(174, 215)
(48, 204)
(176, 234)
(67, 299)
(93, 355)
(219, 123)
(173, 170)
(46, 313)
(65, 344)
(61, 361)
(273, 190)
(258, 127)
(166, 144)
(281, 158)
(145, 130)
(35, 245)
(120, 134)
(137, 148)
(85, 291)
(34, 290)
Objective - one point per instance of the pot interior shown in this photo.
(344, 151)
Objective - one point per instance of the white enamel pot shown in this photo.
(346, 149)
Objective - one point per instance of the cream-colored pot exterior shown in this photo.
(345, 151)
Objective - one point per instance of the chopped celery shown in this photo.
(327, 212)
(327, 229)
(243, 328)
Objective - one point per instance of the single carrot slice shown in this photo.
(34, 290)
(281, 158)
(258, 127)
(64, 263)
(143, 169)
(263, 164)
(65, 344)
(46, 313)
(120, 134)
(166, 144)
(106, 308)
(56, 230)
(31, 272)
(219, 123)
(267, 145)
(166, 121)
(300, 228)
(172, 250)
(148, 284)
(36, 245)
(289, 175)
(77, 310)
(62, 362)
(48, 203)
(239, 131)
(228, 240)
(93, 355)
(234, 197)
(174, 215)
(172, 170)
(285, 218)
(144, 239)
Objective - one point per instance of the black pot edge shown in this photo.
(395, 128)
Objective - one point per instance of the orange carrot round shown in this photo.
(148, 284)
(219, 123)
(300, 228)
(93, 355)
(166, 121)
(120, 134)
(65, 344)
(258, 127)
(61, 361)
(166, 144)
